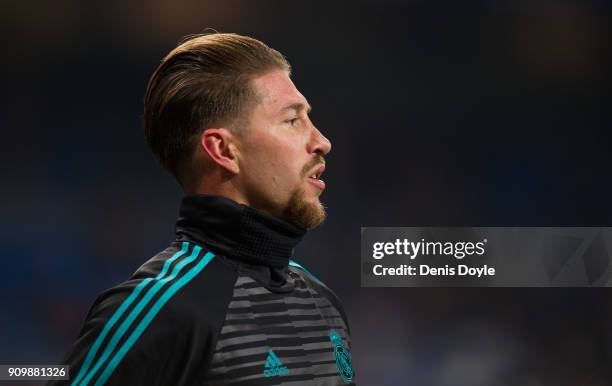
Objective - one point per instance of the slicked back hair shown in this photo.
(203, 82)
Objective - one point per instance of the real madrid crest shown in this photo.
(343, 357)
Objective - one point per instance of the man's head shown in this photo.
(222, 115)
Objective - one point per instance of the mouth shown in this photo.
(315, 177)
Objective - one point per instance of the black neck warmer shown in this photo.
(258, 242)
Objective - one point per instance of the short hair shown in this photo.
(201, 83)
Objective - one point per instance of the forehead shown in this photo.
(277, 91)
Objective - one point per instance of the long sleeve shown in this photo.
(159, 328)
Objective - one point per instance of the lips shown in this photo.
(316, 172)
(314, 176)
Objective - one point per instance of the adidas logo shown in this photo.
(274, 366)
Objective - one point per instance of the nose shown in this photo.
(319, 143)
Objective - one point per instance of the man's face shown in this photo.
(280, 153)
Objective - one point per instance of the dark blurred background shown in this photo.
(475, 113)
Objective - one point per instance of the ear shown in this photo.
(219, 144)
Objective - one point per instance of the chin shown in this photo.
(305, 213)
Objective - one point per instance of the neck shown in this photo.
(237, 231)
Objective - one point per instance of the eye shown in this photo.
(292, 121)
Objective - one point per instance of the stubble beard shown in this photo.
(302, 213)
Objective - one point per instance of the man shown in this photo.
(225, 303)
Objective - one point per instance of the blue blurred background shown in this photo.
(475, 113)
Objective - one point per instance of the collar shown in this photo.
(237, 231)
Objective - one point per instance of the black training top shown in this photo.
(223, 304)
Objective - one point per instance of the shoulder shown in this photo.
(322, 288)
(168, 311)
(298, 268)
(180, 283)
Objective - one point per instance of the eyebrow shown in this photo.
(298, 107)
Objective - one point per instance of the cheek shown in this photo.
(266, 170)
(275, 162)
(283, 174)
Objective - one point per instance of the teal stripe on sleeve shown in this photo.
(120, 311)
(144, 323)
(159, 283)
